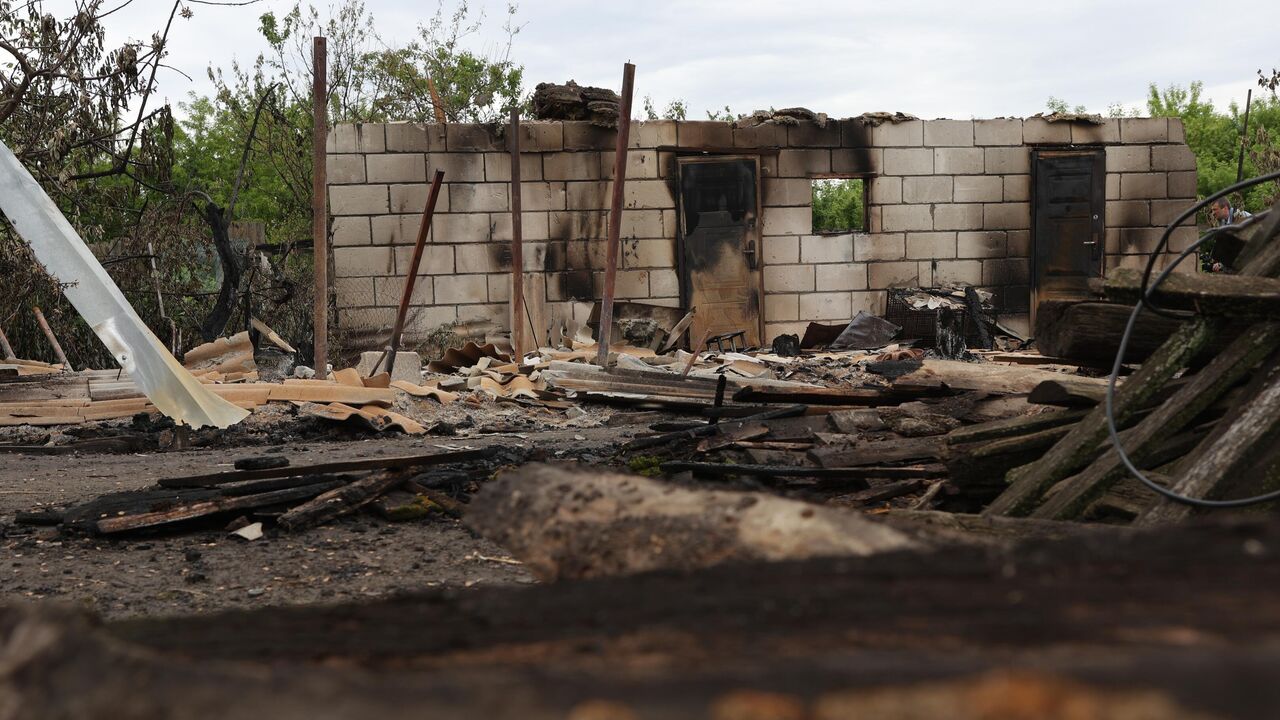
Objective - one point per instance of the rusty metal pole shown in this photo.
(615, 214)
(411, 278)
(53, 341)
(6, 347)
(519, 339)
(319, 209)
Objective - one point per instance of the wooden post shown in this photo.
(53, 341)
(519, 341)
(411, 278)
(319, 209)
(6, 347)
(615, 213)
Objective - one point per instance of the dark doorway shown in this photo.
(1068, 227)
(720, 245)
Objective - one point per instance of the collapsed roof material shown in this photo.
(172, 389)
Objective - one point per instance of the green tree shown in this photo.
(839, 205)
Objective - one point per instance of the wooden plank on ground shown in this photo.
(399, 461)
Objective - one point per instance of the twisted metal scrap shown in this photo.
(169, 386)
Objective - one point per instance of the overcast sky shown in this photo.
(931, 58)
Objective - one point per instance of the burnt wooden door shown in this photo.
(720, 245)
(1068, 226)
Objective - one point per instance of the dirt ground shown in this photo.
(195, 571)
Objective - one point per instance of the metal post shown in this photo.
(411, 278)
(1244, 136)
(6, 347)
(53, 341)
(519, 338)
(319, 209)
(615, 213)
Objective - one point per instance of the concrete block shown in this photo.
(957, 272)
(1019, 243)
(461, 228)
(885, 190)
(1017, 188)
(472, 137)
(463, 289)
(1006, 216)
(1182, 184)
(781, 308)
(1128, 158)
(927, 189)
(499, 287)
(358, 200)
(1083, 133)
(425, 321)
(1006, 271)
(353, 292)
(809, 134)
(543, 136)
(958, 161)
(478, 197)
(1182, 238)
(826, 306)
(856, 161)
(436, 260)
(1144, 130)
(1038, 131)
(1113, 186)
(887, 275)
(924, 270)
(1164, 212)
(981, 244)
(572, 165)
(357, 138)
(875, 219)
(956, 217)
(1007, 161)
(541, 196)
(978, 188)
(948, 133)
(366, 318)
(788, 278)
(344, 169)
(908, 161)
(873, 302)
(883, 246)
(415, 137)
(931, 245)
(1133, 240)
(1002, 131)
(478, 258)
(653, 134)
(788, 221)
(587, 195)
(632, 283)
(760, 136)
(803, 163)
(654, 253)
(704, 134)
(395, 229)
(646, 195)
(458, 167)
(362, 261)
(843, 276)
(389, 290)
(826, 248)
(533, 226)
(499, 314)
(575, 225)
(350, 231)
(641, 165)
(909, 133)
(497, 167)
(786, 191)
(1128, 213)
(780, 250)
(1172, 158)
(1177, 133)
(897, 218)
(412, 199)
(647, 224)
(1137, 186)
(664, 283)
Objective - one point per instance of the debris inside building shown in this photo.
(616, 432)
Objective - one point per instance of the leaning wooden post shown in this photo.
(6, 347)
(319, 209)
(53, 341)
(519, 342)
(411, 278)
(615, 214)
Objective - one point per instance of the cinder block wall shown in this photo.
(949, 202)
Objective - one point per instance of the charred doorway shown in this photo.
(720, 245)
(1068, 227)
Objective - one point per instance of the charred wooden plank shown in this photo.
(842, 473)
(341, 500)
(1089, 332)
(704, 430)
(1210, 293)
(879, 452)
(399, 461)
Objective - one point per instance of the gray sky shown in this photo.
(931, 58)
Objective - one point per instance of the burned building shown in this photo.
(719, 215)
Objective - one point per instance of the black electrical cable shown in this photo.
(1145, 300)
